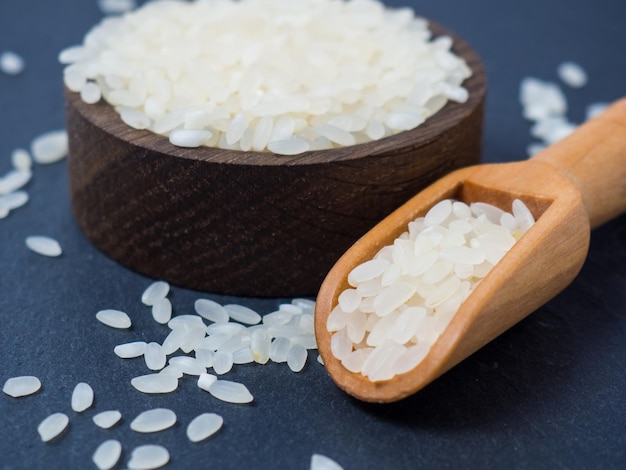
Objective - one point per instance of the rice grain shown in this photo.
(107, 419)
(155, 383)
(52, 426)
(155, 420)
(114, 318)
(204, 426)
(148, 457)
(50, 147)
(82, 397)
(230, 392)
(44, 246)
(21, 386)
(107, 454)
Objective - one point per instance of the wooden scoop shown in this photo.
(571, 187)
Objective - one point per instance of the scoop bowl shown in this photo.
(571, 187)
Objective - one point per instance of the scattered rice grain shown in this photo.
(82, 397)
(204, 426)
(21, 386)
(107, 454)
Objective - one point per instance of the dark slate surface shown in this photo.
(550, 393)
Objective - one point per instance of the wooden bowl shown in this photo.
(252, 223)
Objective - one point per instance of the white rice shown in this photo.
(107, 419)
(14, 200)
(188, 365)
(259, 91)
(204, 426)
(130, 350)
(296, 358)
(222, 362)
(154, 292)
(595, 109)
(230, 392)
(189, 138)
(155, 420)
(162, 311)
(206, 380)
(211, 310)
(402, 300)
(44, 246)
(116, 7)
(572, 74)
(14, 180)
(21, 386)
(21, 159)
(52, 426)
(107, 454)
(11, 63)
(155, 383)
(91, 93)
(321, 462)
(82, 397)
(50, 147)
(114, 318)
(242, 314)
(154, 356)
(147, 457)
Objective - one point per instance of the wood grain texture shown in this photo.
(570, 187)
(251, 223)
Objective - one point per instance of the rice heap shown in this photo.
(280, 75)
(403, 299)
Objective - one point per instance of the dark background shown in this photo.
(549, 393)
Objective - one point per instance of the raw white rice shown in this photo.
(296, 358)
(130, 350)
(222, 362)
(188, 365)
(91, 93)
(595, 109)
(189, 138)
(155, 420)
(107, 454)
(114, 318)
(205, 381)
(154, 356)
(154, 292)
(259, 91)
(116, 7)
(172, 370)
(204, 426)
(50, 147)
(14, 200)
(279, 349)
(147, 457)
(155, 383)
(82, 397)
(52, 426)
(321, 462)
(572, 74)
(11, 63)
(402, 300)
(230, 392)
(45, 246)
(107, 419)
(211, 310)
(21, 386)
(21, 159)
(242, 314)
(14, 180)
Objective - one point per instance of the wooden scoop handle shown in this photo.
(594, 158)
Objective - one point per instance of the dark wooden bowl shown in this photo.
(252, 223)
